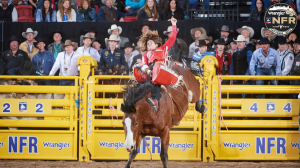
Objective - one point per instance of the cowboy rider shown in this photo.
(155, 51)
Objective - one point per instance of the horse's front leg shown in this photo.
(133, 153)
(165, 137)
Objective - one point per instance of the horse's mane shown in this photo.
(133, 93)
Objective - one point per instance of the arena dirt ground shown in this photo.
(145, 164)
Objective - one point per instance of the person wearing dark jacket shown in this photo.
(14, 56)
(149, 12)
(295, 71)
(108, 13)
(259, 11)
(86, 13)
(8, 13)
(173, 10)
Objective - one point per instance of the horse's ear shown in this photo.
(123, 108)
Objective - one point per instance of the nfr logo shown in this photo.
(264, 144)
(16, 144)
(154, 143)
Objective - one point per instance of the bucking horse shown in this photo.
(141, 120)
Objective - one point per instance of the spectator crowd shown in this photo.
(116, 10)
(242, 55)
(89, 11)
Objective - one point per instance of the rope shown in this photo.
(112, 108)
(149, 151)
(221, 116)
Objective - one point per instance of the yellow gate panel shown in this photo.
(53, 145)
(109, 145)
(258, 145)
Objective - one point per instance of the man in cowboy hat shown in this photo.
(117, 30)
(14, 56)
(43, 60)
(268, 34)
(202, 52)
(108, 13)
(286, 60)
(195, 33)
(233, 47)
(27, 45)
(66, 61)
(240, 61)
(286, 57)
(225, 32)
(295, 71)
(87, 50)
(143, 28)
(223, 58)
(97, 45)
(248, 33)
(179, 48)
(112, 57)
(55, 47)
(92, 31)
(268, 63)
(128, 48)
(208, 41)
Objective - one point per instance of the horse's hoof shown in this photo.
(202, 109)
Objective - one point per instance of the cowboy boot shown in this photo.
(153, 103)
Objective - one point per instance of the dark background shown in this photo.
(74, 30)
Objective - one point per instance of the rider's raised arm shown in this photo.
(169, 43)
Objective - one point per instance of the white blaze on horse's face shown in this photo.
(190, 96)
(129, 144)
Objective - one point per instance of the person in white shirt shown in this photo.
(67, 63)
(87, 50)
(65, 12)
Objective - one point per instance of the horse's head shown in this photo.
(133, 126)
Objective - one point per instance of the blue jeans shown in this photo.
(270, 71)
(294, 82)
(66, 83)
(206, 4)
(298, 6)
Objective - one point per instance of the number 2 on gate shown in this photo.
(287, 107)
(39, 107)
(6, 107)
(254, 107)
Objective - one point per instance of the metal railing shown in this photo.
(220, 10)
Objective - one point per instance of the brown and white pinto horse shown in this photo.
(141, 120)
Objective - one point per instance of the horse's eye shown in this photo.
(136, 124)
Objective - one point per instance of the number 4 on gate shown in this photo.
(254, 107)
(287, 107)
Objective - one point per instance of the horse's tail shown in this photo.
(133, 93)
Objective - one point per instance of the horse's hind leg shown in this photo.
(133, 153)
(165, 137)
